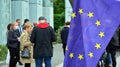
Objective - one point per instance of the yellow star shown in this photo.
(101, 34)
(90, 14)
(80, 56)
(90, 54)
(73, 15)
(71, 55)
(66, 48)
(98, 23)
(81, 11)
(98, 46)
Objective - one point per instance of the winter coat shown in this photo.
(25, 42)
(42, 36)
(12, 39)
(64, 35)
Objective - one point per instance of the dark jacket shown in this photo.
(64, 35)
(113, 42)
(12, 39)
(115, 39)
(42, 36)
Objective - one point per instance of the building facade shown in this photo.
(68, 10)
(10, 10)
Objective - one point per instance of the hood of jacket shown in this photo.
(43, 25)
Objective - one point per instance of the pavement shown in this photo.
(58, 58)
(118, 59)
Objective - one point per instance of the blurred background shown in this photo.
(57, 13)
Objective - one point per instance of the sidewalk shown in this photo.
(2, 63)
(33, 65)
(118, 59)
(61, 65)
(57, 58)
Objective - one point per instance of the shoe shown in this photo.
(20, 63)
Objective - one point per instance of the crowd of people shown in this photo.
(28, 41)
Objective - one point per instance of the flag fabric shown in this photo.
(92, 26)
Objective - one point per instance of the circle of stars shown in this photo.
(101, 34)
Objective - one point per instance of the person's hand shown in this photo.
(19, 39)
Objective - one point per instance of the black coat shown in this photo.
(12, 39)
(113, 42)
(64, 35)
(115, 39)
(42, 39)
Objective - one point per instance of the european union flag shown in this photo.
(92, 27)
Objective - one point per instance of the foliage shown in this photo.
(59, 6)
(58, 35)
(3, 52)
(59, 13)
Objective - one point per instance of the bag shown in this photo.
(25, 53)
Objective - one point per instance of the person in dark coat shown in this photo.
(111, 49)
(42, 36)
(8, 53)
(13, 45)
(64, 35)
(19, 30)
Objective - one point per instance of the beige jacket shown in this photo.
(25, 42)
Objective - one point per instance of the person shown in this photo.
(35, 24)
(8, 53)
(25, 43)
(42, 36)
(64, 35)
(13, 44)
(25, 21)
(105, 60)
(110, 60)
(111, 48)
(20, 30)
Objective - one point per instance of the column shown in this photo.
(35, 11)
(68, 10)
(20, 9)
(4, 19)
(48, 11)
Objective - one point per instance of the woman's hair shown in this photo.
(8, 26)
(12, 25)
(27, 25)
(26, 20)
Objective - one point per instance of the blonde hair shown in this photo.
(12, 25)
(27, 25)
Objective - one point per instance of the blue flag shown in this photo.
(92, 26)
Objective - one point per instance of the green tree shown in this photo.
(59, 13)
